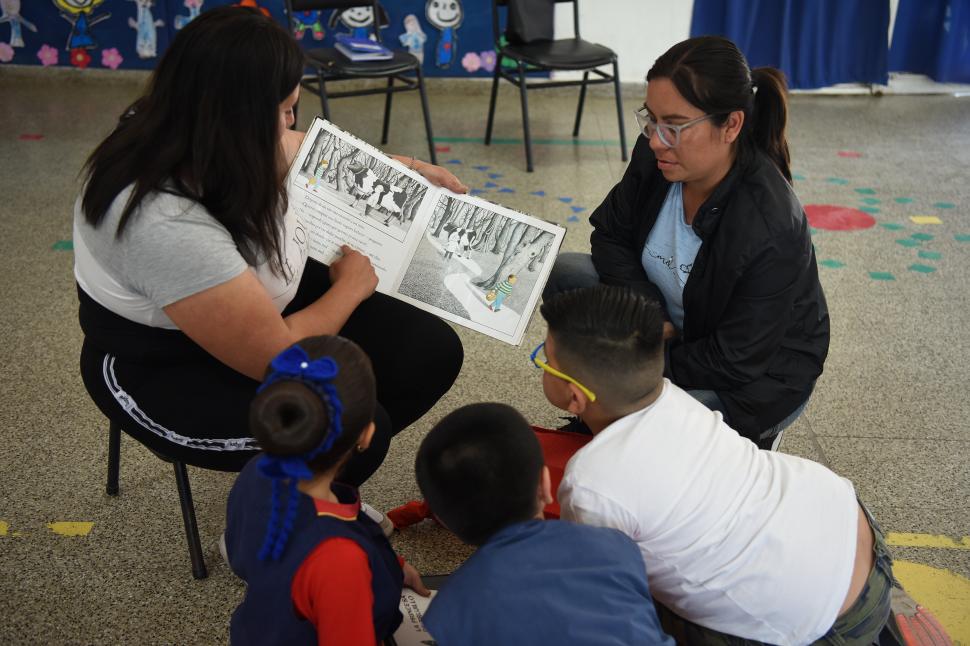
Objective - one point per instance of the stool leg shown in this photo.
(427, 116)
(387, 109)
(582, 100)
(491, 103)
(188, 518)
(114, 458)
(525, 117)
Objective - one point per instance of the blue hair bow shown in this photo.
(295, 365)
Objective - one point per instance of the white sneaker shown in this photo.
(386, 525)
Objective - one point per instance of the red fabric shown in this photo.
(332, 590)
(557, 448)
(410, 513)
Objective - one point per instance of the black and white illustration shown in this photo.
(362, 185)
(478, 262)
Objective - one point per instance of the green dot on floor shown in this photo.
(892, 226)
(904, 200)
(798, 176)
(63, 245)
(833, 264)
(921, 236)
(944, 205)
(868, 209)
(923, 269)
(908, 242)
(930, 255)
(881, 275)
(870, 200)
(866, 191)
(837, 180)
(962, 237)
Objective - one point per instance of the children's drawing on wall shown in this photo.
(413, 37)
(194, 7)
(477, 263)
(78, 13)
(446, 16)
(308, 21)
(382, 196)
(145, 25)
(10, 12)
(359, 20)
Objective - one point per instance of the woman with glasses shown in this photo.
(706, 222)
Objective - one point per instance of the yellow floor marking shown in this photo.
(70, 528)
(3, 528)
(945, 594)
(926, 219)
(939, 541)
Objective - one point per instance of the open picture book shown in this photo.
(459, 257)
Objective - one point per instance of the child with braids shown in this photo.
(317, 569)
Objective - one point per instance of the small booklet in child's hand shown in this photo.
(412, 632)
(462, 258)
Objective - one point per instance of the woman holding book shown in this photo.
(192, 274)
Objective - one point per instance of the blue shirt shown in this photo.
(669, 253)
(548, 582)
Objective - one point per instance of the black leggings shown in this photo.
(184, 404)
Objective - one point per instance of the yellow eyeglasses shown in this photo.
(539, 363)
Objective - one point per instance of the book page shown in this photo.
(411, 632)
(480, 265)
(348, 192)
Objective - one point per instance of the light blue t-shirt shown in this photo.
(669, 253)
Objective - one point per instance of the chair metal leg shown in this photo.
(525, 117)
(387, 109)
(582, 100)
(491, 104)
(324, 104)
(114, 457)
(619, 110)
(427, 117)
(188, 518)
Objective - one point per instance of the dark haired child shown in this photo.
(317, 569)
(531, 581)
(741, 545)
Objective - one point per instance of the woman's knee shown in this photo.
(571, 271)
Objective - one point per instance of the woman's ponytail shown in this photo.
(770, 116)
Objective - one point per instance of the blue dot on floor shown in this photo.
(578, 209)
(566, 200)
(539, 193)
(490, 184)
(482, 167)
(453, 161)
(572, 218)
(506, 190)
(495, 175)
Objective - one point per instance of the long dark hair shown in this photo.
(713, 75)
(290, 418)
(207, 129)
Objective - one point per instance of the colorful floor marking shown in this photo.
(442, 149)
(892, 226)
(490, 184)
(866, 191)
(477, 191)
(923, 269)
(506, 190)
(869, 209)
(925, 219)
(538, 193)
(837, 218)
(930, 255)
(481, 168)
(881, 275)
(565, 200)
(921, 236)
(944, 205)
(797, 176)
(837, 180)
(833, 264)
(31, 136)
(63, 245)
(904, 200)
(453, 161)
(936, 541)
(945, 594)
(870, 200)
(495, 175)
(572, 218)
(850, 154)
(578, 209)
(4, 527)
(962, 237)
(908, 242)
(71, 528)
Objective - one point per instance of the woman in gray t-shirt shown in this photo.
(190, 276)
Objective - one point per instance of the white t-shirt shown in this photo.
(171, 248)
(747, 542)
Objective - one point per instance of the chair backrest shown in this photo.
(322, 5)
(497, 30)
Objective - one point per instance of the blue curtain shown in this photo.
(932, 37)
(814, 42)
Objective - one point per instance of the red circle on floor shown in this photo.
(837, 218)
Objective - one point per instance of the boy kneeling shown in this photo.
(531, 581)
(737, 541)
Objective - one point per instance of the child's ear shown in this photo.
(578, 401)
(365, 438)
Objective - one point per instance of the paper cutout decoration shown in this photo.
(145, 25)
(446, 16)
(359, 20)
(194, 7)
(10, 13)
(413, 37)
(78, 13)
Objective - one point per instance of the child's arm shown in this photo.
(332, 590)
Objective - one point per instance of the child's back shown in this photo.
(549, 582)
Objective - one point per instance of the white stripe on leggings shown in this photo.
(131, 407)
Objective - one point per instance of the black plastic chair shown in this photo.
(185, 496)
(330, 66)
(566, 54)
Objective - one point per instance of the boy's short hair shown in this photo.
(609, 338)
(479, 470)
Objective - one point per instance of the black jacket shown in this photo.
(756, 326)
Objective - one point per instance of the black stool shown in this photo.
(185, 496)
